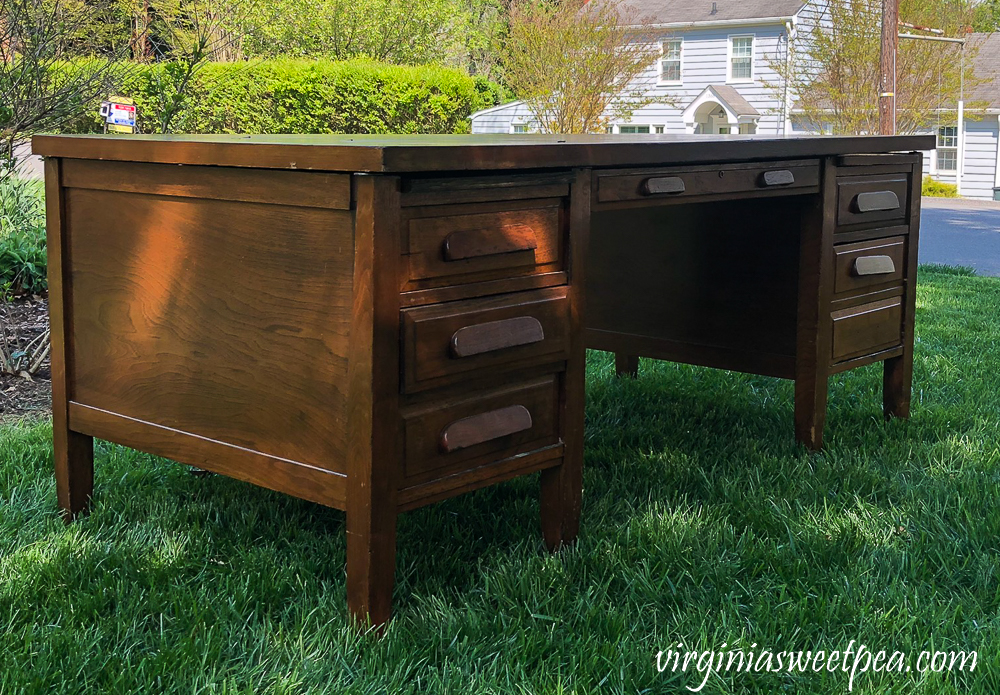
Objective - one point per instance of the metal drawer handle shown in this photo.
(474, 243)
(496, 335)
(779, 177)
(479, 429)
(663, 184)
(873, 265)
(876, 202)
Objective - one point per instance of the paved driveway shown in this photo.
(961, 232)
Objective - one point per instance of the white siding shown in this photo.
(500, 118)
(980, 169)
(704, 63)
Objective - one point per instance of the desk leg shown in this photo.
(626, 365)
(810, 409)
(371, 558)
(897, 376)
(74, 464)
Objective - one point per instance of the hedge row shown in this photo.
(307, 96)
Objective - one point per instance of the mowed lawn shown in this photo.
(703, 523)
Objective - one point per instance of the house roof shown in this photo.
(687, 11)
(987, 67)
(734, 100)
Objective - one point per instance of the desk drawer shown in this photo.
(460, 434)
(445, 342)
(482, 242)
(872, 199)
(694, 182)
(867, 264)
(868, 328)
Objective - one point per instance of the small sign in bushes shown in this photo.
(119, 115)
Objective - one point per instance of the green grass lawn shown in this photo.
(703, 523)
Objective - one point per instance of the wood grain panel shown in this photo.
(851, 273)
(301, 480)
(494, 234)
(425, 426)
(308, 189)
(429, 333)
(225, 320)
(867, 328)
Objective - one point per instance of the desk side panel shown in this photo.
(221, 319)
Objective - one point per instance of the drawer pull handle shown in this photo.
(873, 265)
(474, 243)
(663, 184)
(496, 335)
(878, 201)
(479, 429)
(779, 177)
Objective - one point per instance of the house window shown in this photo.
(741, 58)
(520, 128)
(747, 128)
(633, 129)
(947, 149)
(659, 130)
(670, 62)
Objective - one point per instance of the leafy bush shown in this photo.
(22, 237)
(938, 189)
(309, 96)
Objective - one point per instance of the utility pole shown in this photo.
(887, 68)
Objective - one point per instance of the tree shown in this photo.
(47, 73)
(833, 71)
(580, 67)
(987, 16)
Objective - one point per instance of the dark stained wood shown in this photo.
(868, 264)
(700, 277)
(812, 330)
(436, 295)
(429, 489)
(375, 447)
(304, 481)
(299, 188)
(898, 371)
(476, 243)
(463, 244)
(427, 153)
(431, 357)
(482, 189)
(725, 180)
(626, 365)
(496, 335)
(73, 452)
(225, 320)
(561, 489)
(485, 427)
(872, 199)
(466, 432)
(385, 342)
(867, 328)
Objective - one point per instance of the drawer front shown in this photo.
(868, 264)
(868, 328)
(482, 245)
(465, 433)
(872, 199)
(446, 342)
(701, 181)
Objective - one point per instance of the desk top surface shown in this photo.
(419, 153)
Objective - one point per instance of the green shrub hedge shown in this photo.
(933, 188)
(307, 96)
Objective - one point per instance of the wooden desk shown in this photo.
(378, 323)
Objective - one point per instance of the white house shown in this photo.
(715, 76)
